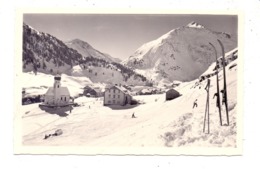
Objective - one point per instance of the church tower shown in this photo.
(56, 87)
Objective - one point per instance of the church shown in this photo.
(57, 95)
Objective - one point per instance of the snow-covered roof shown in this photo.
(60, 90)
(98, 90)
(172, 90)
(121, 88)
(146, 90)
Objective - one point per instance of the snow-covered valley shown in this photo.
(159, 123)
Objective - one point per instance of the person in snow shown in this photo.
(47, 136)
(133, 115)
(195, 104)
(217, 101)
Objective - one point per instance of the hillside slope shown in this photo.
(44, 53)
(86, 50)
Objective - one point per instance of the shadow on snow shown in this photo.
(60, 111)
(119, 107)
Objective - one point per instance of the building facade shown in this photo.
(117, 95)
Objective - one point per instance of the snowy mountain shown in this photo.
(45, 53)
(86, 50)
(181, 54)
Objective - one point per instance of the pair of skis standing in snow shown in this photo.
(224, 90)
(217, 95)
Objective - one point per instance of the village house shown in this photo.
(92, 92)
(172, 94)
(117, 95)
(57, 95)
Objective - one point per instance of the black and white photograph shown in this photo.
(128, 83)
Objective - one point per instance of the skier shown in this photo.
(46, 136)
(195, 104)
(217, 101)
(133, 115)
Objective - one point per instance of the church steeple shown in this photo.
(57, 79)
(56, 87)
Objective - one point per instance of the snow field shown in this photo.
(158, 124)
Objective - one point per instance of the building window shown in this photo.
(114, 96)
(109, 96)
(61, 98)
(109, 101)
(58, 86)
(118, 96)
(114, 101)
(114, 90)
(65, 99)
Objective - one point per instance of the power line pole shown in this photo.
(225, 83)
(218, 94)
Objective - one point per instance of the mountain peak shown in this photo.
(80, 42)
(77, 40)
(26, 26)
(194, 24)
(86, 50)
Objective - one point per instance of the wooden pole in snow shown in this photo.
(225, 83)
(207, 108)
(218, 94)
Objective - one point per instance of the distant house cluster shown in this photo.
(58, 95)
